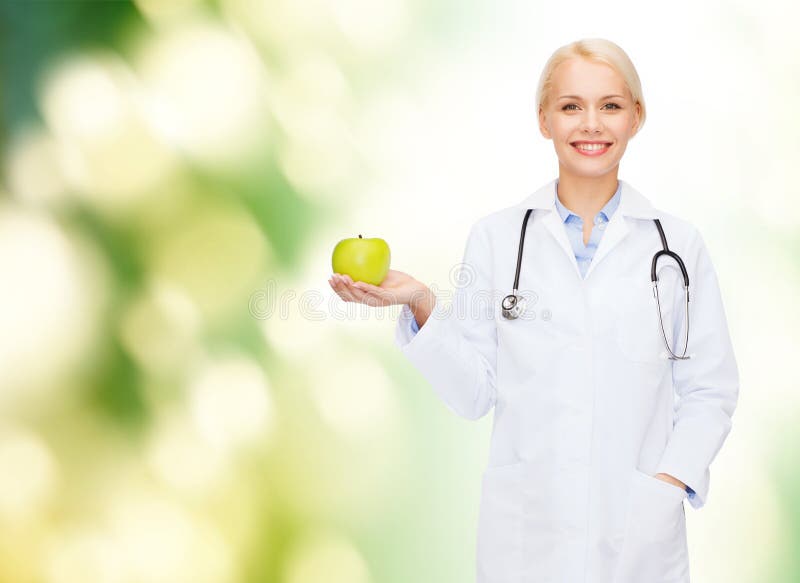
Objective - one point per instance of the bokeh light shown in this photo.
(162, 543)
(323, 555)
(181, 456)
(212, 253)
(33, 168)
(52, 299)
(160, 328)
(230, 403)
(211, 89)
(91, 103)
(31, 475)
(79, 554)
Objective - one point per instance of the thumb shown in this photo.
(362, 285)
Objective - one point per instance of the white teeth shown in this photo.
(591, 147)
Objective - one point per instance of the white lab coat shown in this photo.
(587, 409)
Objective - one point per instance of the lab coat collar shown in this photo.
(632, 203)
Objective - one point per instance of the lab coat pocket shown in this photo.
(655, 547)
(638, 332)
(499, 540)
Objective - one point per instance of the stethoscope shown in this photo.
(513, 305)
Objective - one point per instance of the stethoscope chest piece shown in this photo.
(513, 306)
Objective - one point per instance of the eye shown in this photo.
(565, 108)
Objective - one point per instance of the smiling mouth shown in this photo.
(591, 148)
(590, 143)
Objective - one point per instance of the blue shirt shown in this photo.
(583, 253)
(573, 224)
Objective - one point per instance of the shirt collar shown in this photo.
(606, 211)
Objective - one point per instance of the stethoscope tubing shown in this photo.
(513, 305)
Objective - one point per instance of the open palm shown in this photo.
(397, 287)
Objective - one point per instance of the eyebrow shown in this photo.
(579, 98)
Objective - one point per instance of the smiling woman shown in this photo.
(592, 456)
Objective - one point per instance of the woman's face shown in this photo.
(588, 114)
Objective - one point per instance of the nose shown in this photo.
(591, 121)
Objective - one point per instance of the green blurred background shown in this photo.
(182, 396)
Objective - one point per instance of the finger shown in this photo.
(353, 293)
(369, 291)
(363, 285)
(339, 280)
(349, 291)
(358, 295)
(337, 287)
(381, 294)
(367, 286)
(368, 299)
(341, 289)
(371, 298)
(346, 282)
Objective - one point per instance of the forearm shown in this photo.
(672, 480)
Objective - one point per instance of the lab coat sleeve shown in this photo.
(707, 385)
(456, 349)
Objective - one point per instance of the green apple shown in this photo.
(362, 259)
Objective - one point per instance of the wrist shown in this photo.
(421, 296)
(421, 304)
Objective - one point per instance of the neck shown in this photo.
(585, 196)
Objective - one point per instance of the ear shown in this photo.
(543, 124)
(637, 113)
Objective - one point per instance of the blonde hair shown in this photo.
(598, 50)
